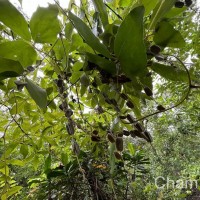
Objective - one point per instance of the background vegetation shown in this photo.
(99, 99)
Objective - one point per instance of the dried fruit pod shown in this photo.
(122, 117)
(179, 4)
(111, 137)
(126, 133)
(130, 118)
(70, 127)
(160, 108)
(108, 101)
(130, 104)
(20, 85)
(118, 156)
(68, 113)
(120, 134)
(61, 107)
(123, 96)
(59, 83)
(119, 143)
(114, 102)
(95, 138)
(135, 133)
(95, 132)
(148, 136)
(148, 91)
(188, 3)
(155, 49)
(139, 127)
(75, 147)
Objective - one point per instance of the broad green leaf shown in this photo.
(24, 150)
(160, 10)
(44, 24)
(101, 8)
(149, 5)
(12, 18)
(85, 81)
(166, 35)
(5, 170)
(64, 158)
(10, 192)
(131, 148)
(88, 36)
(103, 63)
(47, 165)
(38, 94)
(16, 162)
(129, 44)
(169, 72)
(19, 51)
(175, 11)
(9, 68)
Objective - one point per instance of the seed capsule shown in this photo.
(119, 143)
(160, 108)
(179, 4)
(139, 127)
(130, 118)
(148, 136)
(130, 104)
(70, 127)
(68, 113)
(123, 96)
(95, 138)
(114, 102)
(118, 156)
(148, 91)
(155, 49)
(188, 3)
(110, 137)
(122, 117)
(126, 133)
(95, 132)
(59, 83)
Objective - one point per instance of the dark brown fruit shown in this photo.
(155, 49)
(60, 83)
(111, 138)
(179, 4)
(118, 156)
(188, 3)
(123, 96)
(114, 102)
(120, 134)
(130, 104)
(148, 91)
(95, 132)
(126, 133)
(135, 133)
(68, 113)
(148, 136)
(130, 118)
(108, 101)
(119, 143)
(139, 127)
(160, 108)
(160, 58)
(70, 127)
(122, 117)
(95, 138)
(61, 107)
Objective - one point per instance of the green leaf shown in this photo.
(12, 18)
(101, 8)
(160, 10)
(103, 63)
(129, 44)
(10, 192)
(169, 72)
(149, 5)
(38, 94)
(44, 24)
(64, 158)
(47, 165)
(19, 51)
(9, 68)
(24, 150)
(88, 36)
(166, 35)
(131, 148)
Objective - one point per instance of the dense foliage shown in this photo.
(99, 99)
